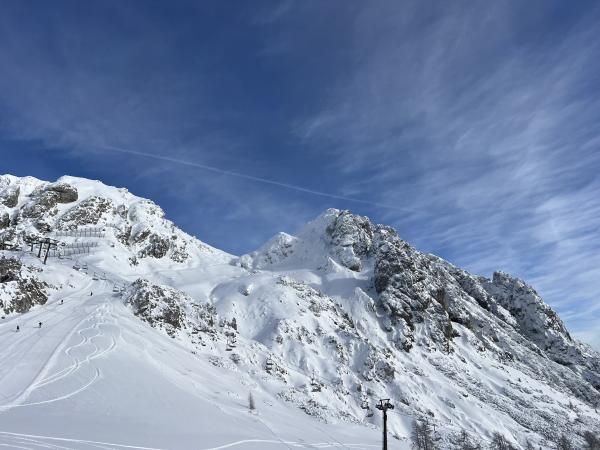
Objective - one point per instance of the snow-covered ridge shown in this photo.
(328, 321)
(425, 305)
(31, 207)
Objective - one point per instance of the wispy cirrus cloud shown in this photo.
(115, 82)
(487, 132)
(470, 127)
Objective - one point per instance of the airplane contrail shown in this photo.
(248, 177)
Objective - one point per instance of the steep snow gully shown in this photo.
(136, 335)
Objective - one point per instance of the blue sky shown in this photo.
(471, 127)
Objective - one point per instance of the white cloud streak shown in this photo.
(249, 177)
(493, 140)
(477, 139)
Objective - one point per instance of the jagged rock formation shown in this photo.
(87, 212)
(4, 220)
(35, 208)
(173, 311)
(45, 199)
(20, 289)
(9, 195)
(426, 306)
(351, 239)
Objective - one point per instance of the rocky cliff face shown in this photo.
(412, 303)
(9, 195)
(176, 313)
(413, 287)
(30, 207)
(20, 289)
(350, 238)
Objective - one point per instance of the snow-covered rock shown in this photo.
(36, 207)
(20, 288)
(172, 310)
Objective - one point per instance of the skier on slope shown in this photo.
(39, 324)
(18, 328)
(61, 301)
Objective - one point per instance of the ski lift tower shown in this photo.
(383, 406)
(49, 243)
(31, 241)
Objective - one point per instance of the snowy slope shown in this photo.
(160, 340)
(94, 372)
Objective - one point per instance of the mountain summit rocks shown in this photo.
(34, 207)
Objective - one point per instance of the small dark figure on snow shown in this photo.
(61, 301)
(39, 324)
(18, 328)
(91, 293)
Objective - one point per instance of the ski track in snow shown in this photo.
(98, 352)
(39, 442)
(290, 444)
(42, 442)
(97, 319)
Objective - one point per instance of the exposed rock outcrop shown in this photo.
(20, 289)
(46, 198)
(171, 310)
(87, 212)
(65, 193)
(9, 197)
(351, 238)
(4, 219)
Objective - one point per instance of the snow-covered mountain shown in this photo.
(152, 338)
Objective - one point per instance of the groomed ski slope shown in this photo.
(95, 376)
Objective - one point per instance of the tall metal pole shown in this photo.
(47, 251)
(384, 405)
(384, 429)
